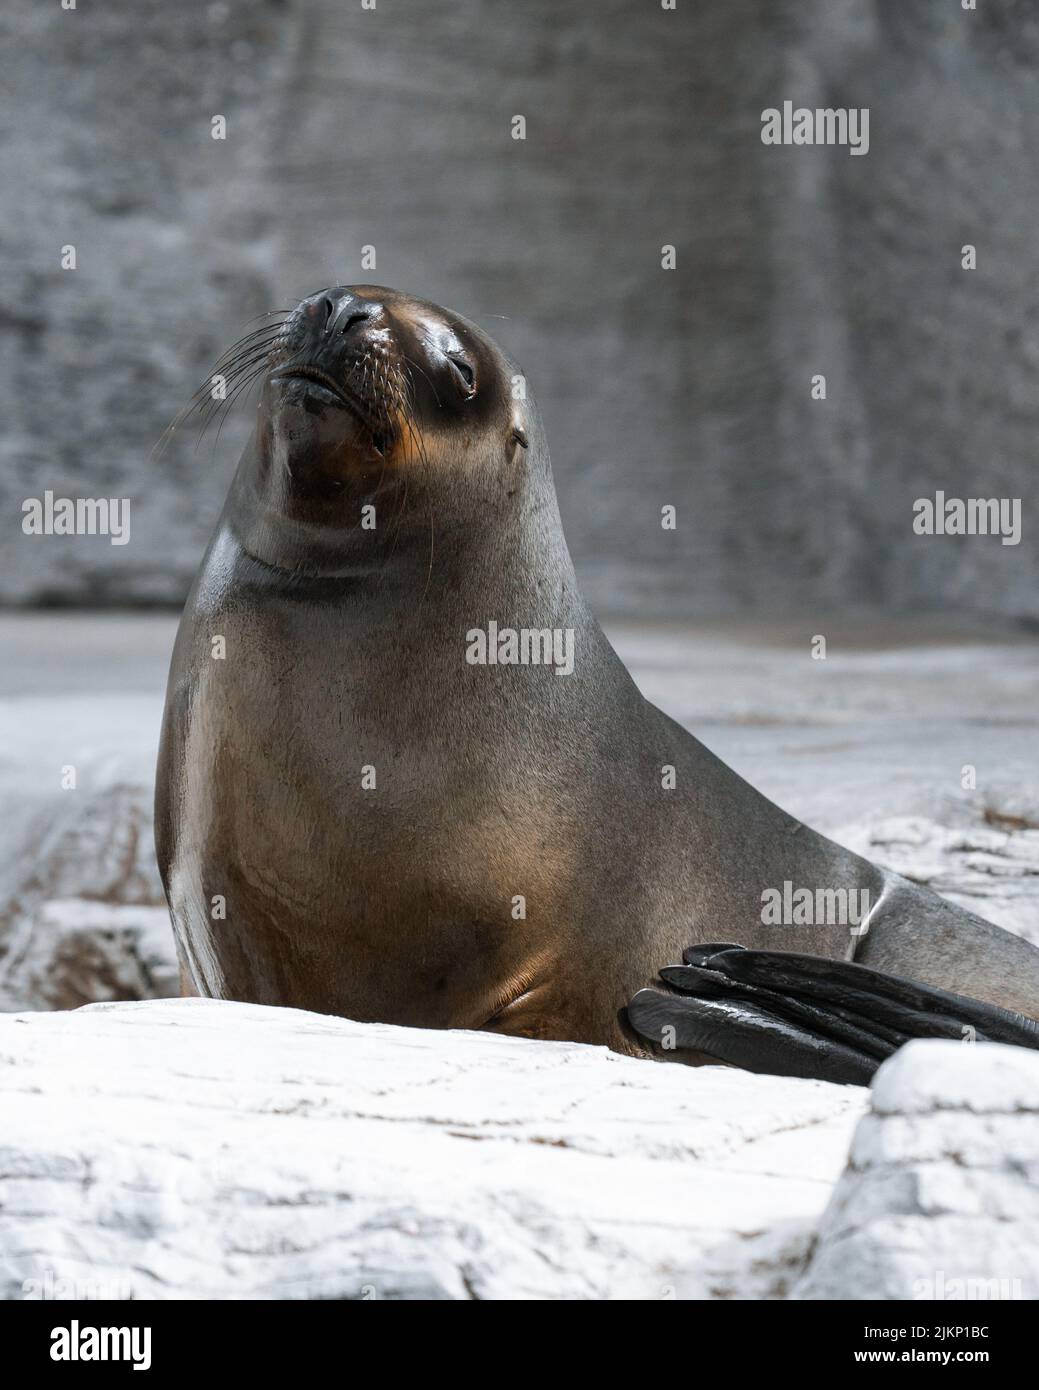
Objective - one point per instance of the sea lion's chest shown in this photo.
(315, 757)
(375, 857)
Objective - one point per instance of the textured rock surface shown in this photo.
(691, 387)
(187, 1148)
(81, 905)
(940, 1199)
(196, 1149)
(77, 951)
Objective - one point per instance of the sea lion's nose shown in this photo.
(346, 315)
(339, 315)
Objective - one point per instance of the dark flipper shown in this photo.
(745, 1035)
(792, 1015)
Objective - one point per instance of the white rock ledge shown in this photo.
(194, 1149)
(940, 1199)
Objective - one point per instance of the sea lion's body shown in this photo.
(525, 860)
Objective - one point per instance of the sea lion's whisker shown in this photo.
(245, 346)
(248, 355)
(271, 313)
(242, 386)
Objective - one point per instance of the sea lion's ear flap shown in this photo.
(520, 436)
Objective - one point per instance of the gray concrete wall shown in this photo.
(691, 386)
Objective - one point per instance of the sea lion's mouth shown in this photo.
(344, 399)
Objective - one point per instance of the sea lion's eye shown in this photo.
(466, 373)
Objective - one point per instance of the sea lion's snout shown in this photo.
(336, 384)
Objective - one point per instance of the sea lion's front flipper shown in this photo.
(744, 1035)
(792, 1015)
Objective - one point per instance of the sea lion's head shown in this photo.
(382, 418)
(362, 379)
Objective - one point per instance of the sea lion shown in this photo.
(404, 776)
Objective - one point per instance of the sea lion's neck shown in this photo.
(477, 550)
